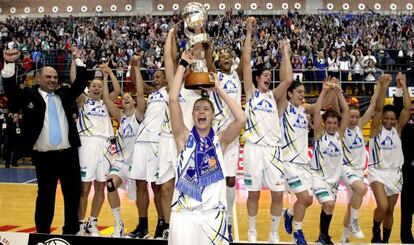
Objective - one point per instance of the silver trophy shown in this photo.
(195, 16)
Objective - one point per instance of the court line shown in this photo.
(236, 224)
(27, 182)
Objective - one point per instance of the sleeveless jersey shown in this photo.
(354, 148)
(126, 137)
(94, 119)
(213, 196)
(327, 158)
(187, 99)
(294, 125)
(262, 126)
(150, 128)
(232, 86)
(385, 150)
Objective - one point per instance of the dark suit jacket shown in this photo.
(30, 103)
(407, 136)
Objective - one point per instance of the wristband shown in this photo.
(183, 63)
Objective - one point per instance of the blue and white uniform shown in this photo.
(354, 155)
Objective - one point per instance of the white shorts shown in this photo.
(263, 167)
(198, 228)
(93, 159)
(231, 158)
(168, 156)
(390, 178)
(144, 161)
(298, 177)
(121, 170)
(323, 190)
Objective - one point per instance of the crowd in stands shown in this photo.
(350, 47)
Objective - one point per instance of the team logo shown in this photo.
(230, 87)
(301, 122)
(265, 106)
(128, 132)
(356, 143)
(54, 241)
(387, 144)
(156, 97)
(332, 150)
(98, 111)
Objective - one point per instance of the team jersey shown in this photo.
(150, 128)
(354, 148)
(232, 86)
(94, 119)
(213, 196)
(262, 126)
(294, 125)
(385, 150)
(327, 158)
(126, 137)
(187, 99)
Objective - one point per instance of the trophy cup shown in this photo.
(195, 16)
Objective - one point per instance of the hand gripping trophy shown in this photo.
(195, 16)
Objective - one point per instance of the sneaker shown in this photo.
(288, 221)
(376, 236)
(344, 240)
(274, 237)
(118, 230)
(252, 236)
(298, 237)
(91, 228)
(82, 228)
(324, 239)
(230, 233)
(355, 229)
(165, 234)
(159, 230)
(138, 233)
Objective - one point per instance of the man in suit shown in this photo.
(51, 136)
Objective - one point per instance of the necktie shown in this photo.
(55, 135)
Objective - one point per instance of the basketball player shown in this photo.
(199, 203)
(386, 157)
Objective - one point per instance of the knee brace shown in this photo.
(110, 186)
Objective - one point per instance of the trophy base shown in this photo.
(198, 80)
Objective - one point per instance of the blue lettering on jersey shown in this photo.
(387, 144)
(300, 122)
(230, 87)
(98, 111)
(356, 143)
(128, 132)
(265, 106)
(332, 150)
(156, 97)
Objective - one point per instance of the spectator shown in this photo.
(333, 65)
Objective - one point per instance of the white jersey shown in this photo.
(94, 119)
(294, 124)
(262, 126)
(354, 148)
(213, 196)
(327, 158)
(126, 137)
(150, 127)
(232, 86)
(187, 99)
(385, 150)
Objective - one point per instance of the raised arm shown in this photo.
(286, 78)
(233, 130)
(115, 84)
(383, 83)
(317, 117)
(246, 57)
(344, 110)
(370, 110)
(139, 84)
(405, 112)
(75, 55)
(9, 80)
(168, 59)
(112, 108)
(177, 123)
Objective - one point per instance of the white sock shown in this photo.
(354, 213)
(231, 193)
(117, 214)
(252, 222)
(345, 232)
(92, 220)
(274, 223)
(296, 225)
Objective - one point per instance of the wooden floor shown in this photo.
(17, 202)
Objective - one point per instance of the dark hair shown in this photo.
(204, 99)
(331, 113)
(389, 108)
(258, 72)
(296, 83)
